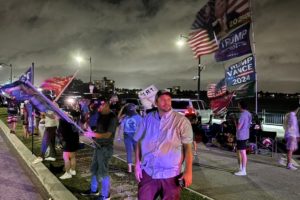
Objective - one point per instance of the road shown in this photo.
(15, 181)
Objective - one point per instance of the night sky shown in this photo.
(133, 41)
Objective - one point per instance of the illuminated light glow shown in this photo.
(70, 101)
(79, 59)
(40, 89)
(181, 42)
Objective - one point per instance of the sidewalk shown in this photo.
(15, 182)
(266, 178)
(51, 187)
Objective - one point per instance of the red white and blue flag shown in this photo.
(56, 84)
(216, 90)
(202, 38)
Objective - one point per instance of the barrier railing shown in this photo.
(271, 118)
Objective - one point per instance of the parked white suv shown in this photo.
(181, 106)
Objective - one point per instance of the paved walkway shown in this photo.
(266, 179)
(14, 180)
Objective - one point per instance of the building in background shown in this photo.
(105, 85)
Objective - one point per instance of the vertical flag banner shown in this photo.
(240, 73)
(245, 90)
(235, 44)
(228, 15)
(240, 77)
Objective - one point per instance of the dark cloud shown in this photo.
(133, 42)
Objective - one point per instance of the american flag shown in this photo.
(202, 39)
(219, 105)
(211, 90)
(57, 84)
(201, 43)
(239, 6)
(216, 90)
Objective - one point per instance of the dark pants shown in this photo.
(150, 189)
(49, 140)
(99, 169)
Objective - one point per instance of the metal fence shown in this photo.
(271, 118)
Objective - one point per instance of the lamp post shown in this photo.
(200, 68)
(10, 65)
(180, 43)
(90, 69)
(80, 59)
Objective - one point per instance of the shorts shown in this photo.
(12, 118)
(241, 144)
(291, 143)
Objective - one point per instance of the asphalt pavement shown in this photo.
(16, 183)
(266, 179)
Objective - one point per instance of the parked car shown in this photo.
(199, 106)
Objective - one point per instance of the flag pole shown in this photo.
(62, 91)
(199, 77)
(254, 55)
(32, 114)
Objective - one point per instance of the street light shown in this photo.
(80, 59)
(6, 65)
(180, 43)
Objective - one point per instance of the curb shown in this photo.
(51, 184)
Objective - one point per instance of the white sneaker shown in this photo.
(50, 159)
(66, 175)
(282, 161)
(291, 167)
(240, 173)
(72, 172)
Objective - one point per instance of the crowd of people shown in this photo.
(162, 142)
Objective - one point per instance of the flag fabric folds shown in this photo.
(27, 76)
(26, 91)
(201, 43)
(240, 73)
(202, 39)
(56, 84)
(228, 15)
(235, 44)
(216, 90)
(220, 104)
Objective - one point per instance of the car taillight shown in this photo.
(189, 112)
